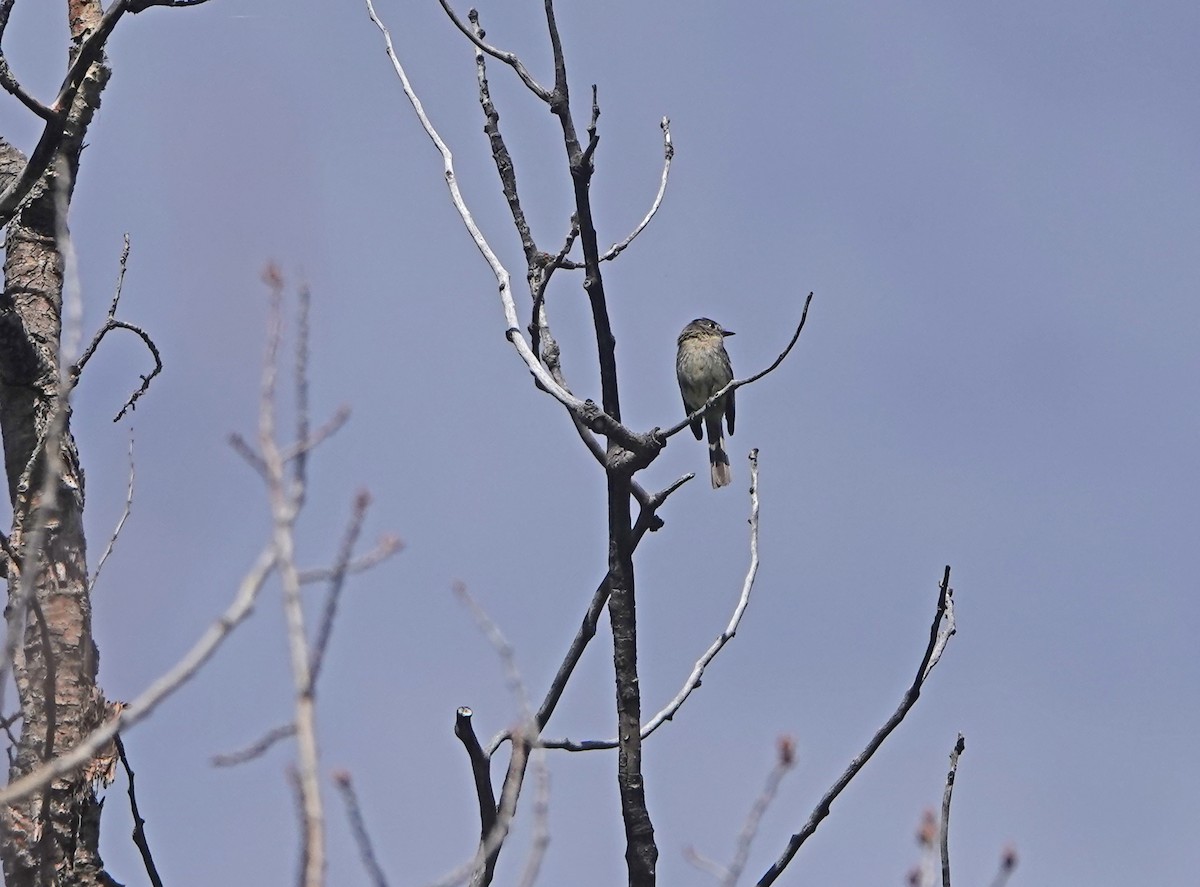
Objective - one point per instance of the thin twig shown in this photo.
(705, 864)
(303, 443)
(668, 155)
(358, 828)
(1008, 864)
(256, 749)
(337, 581)
(112, 540)
(944, 831)
(285, 499)
(139, 824)
(939, 633)
(785, 759)
(504, 650)
(384, 548)
(693, 681)
(111, 323)
(541, 820)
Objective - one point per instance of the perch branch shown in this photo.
(738, 383)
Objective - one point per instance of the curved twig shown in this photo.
(509, 58)
(111, 323)
(617, 248)
(668, 155)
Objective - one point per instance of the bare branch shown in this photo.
(944, 832)
(668, 155)
(337, 582)
(509, 58)
(1008, 864)
(111, 323)
(592, 415)
(703, 863)
(384, 548)
(297, 452)
(304, 444)
(785, 759)
(139, 824)
(159, 690)
(9, 81)
(500, 155)
(285, 500)
(480, 769)
(504, 816)
(738, 383)
(694, 679)
(112, 540)
(256, 749)
(90, 51)
(512, 676)
(243, 449)
(939, 634)
(495, 821)
(366, 852)
(587, 630)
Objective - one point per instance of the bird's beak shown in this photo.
(728, 333)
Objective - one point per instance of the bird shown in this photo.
(702, 367)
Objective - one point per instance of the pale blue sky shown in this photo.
(997, 207)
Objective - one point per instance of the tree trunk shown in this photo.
(52, 836)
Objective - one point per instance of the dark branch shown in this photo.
(939, 634)
(509, 58)
(481, 764)
(9, 81)
(587, 630)
(139, 824)
(110, 324)
(55, 129)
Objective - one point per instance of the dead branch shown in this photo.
(940, 633)
(693, 681)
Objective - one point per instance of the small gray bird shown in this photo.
(702, 366)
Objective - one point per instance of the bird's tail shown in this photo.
(718, 460)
